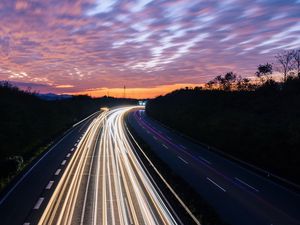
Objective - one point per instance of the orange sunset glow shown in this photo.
(138, 93)
(96, 47)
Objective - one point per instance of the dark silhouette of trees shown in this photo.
(261, 126)
(296, 58)
(210, 84)
(285, 62)
(29, 123)
(264, 70)
(225, 82)
(244, 84)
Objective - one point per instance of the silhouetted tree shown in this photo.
(243, 84)
(285, 60)
(225, 82)
(264, 70)
(198, 88)
(210, 84)
(296, 58)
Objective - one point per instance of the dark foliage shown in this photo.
(261, 127)
(264, 70)
(224, 82)
(28, 122)
(203, 211)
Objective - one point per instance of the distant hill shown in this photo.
(53, 97)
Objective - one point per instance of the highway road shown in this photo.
(32, 187)
(104, 182)
(239, 196)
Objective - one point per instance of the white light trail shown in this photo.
(118, 188)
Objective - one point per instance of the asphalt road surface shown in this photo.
(238, 195)
(97, 179)
(30, 191)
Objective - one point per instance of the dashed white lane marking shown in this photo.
(38, 203)
(208, 162)
(57, 172)
(165, 146)
(155, 138)
(75, 145)
(31, 169)
(68, 155)
(182, 146)
(216, 184)
(49, 184)
(72, 149)
(26, 224)
(63, 162)
(182, 160)
(248, 185)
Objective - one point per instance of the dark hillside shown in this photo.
(261, 127)
(29, 123)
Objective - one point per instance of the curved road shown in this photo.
(238, 195)
(105, 183)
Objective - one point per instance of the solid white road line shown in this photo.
(182, 160)
(50, 184)
(38, 203)
(165, 182)
(216, 184)
(63, 162)
(74, 125)
(243, 182)
(57, 172)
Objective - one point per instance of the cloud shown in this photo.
(144, 43)
(32, 86)
(64, 86)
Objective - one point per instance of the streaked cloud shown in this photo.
(64, 86)
(90, 44)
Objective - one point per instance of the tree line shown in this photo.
(29, 123)
(287, 63)
(258, 122)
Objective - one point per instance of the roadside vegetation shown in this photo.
(200, 208)
(30, 124)
(257, 122)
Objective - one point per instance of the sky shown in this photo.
(97, 47)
